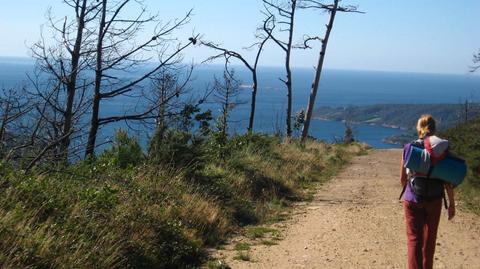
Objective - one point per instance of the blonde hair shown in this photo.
(426, 126)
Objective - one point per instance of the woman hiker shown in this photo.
(423, 199)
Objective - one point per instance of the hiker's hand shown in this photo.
(451, 211)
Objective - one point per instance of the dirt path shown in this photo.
(356, 221)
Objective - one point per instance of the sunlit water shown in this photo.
(337, 88)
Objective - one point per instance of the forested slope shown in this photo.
(400, 115)
(465, 142)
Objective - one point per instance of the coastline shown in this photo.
(392, 126)
(392, 140)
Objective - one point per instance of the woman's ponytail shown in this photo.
(426, 126)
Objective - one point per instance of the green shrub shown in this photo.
(125, 151)
(177, 148)
(465, 142)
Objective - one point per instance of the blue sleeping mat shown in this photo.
(451, 169)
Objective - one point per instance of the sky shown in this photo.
(429, 36)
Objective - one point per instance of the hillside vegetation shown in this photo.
(124, 210)
(465, 142)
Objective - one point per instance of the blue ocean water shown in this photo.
(337, 88)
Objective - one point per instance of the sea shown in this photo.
(337, 88)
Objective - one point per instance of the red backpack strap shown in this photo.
(426, 144)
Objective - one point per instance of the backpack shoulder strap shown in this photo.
(434, 159)
(427, 145)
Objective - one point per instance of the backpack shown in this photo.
(425, 187)
(422, 185)
(451, 169)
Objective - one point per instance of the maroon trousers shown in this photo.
(422, 225)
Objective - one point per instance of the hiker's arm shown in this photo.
(403, 174)
(451, 201)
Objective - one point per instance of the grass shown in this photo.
(243, 256)
(260, 232)
(97, 214)
(242, 246)
(470, 196)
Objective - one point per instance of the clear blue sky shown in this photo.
(434, 36)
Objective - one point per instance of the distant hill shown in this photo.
(403, 116)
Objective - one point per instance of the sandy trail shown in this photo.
(356, 221)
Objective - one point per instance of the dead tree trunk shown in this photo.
(118, 52)
(318, 73)
(3, 125)
(72, 81)
(466, 110)
(253, 103)
(289, 71)
(92, 134)
(285, 11)
(60, 67)
(318, 70)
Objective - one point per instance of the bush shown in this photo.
(125, 151)
(177, 148)
(464, 142)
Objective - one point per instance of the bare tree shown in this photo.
(14, 105)
(468, 106)
(252, 67)
(170, 87)
(332, 9)
(121, 62)
(282, 13)
(226, 91)
(166, 87)
(30, 129)
(476, 62)
(62, 64)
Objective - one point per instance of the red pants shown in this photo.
(422, 225)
